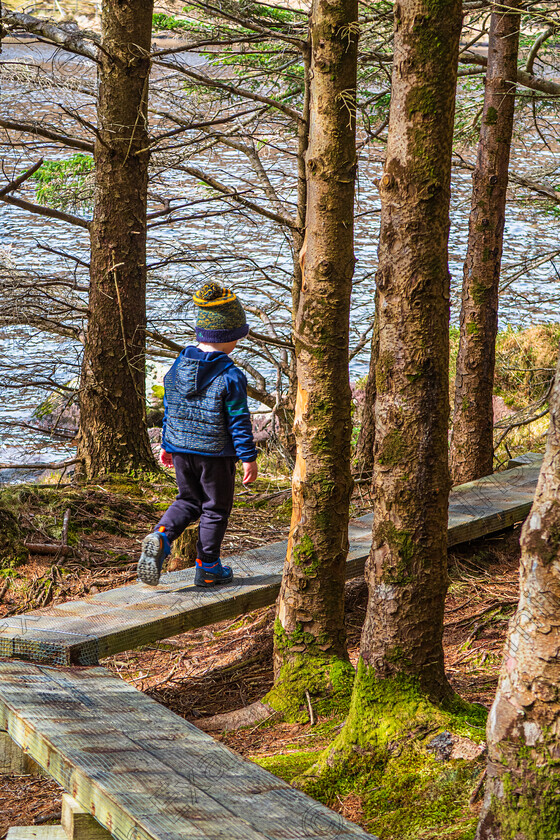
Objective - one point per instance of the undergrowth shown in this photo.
(387, 761)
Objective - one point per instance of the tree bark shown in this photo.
(113, 435)
(310, 630)
(472, 439)
(363, 456)
(407, 567)
(522, 798)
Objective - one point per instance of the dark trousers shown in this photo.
(206, 488)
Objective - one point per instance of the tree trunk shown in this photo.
(407, 568)
(113, 435)
(363, 456)
(522, 798)
(472, 439)
(310, 634)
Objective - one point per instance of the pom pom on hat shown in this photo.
(212, 294)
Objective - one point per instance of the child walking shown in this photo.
(206, 430)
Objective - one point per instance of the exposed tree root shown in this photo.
(230, 721)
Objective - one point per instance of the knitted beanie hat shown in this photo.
(220, 318)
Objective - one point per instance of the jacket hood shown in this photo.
(199, 369)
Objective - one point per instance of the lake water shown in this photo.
(251, 253)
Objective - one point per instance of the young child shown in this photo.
(206, 430)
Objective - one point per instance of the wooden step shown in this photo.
(36, 832)
(84, 631)
(144, 772)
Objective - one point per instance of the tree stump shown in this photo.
(183, 550)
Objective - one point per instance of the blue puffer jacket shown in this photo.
(206, 410)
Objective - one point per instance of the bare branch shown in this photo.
(542, 189)
(71, 41)
(267, 339)
(47, 133)
(523, 78)
(232, 193)
(208, 81)
(13, 185)
(249, 23)
(539, 41)
(46, 211)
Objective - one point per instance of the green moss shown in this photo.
(286, 766)
(383, 369)
(530, 807)
(478, 290)
(393, 448)
(383, 756)
(491, 117)
(419, 797)
(305, 556)
(12, 549)
(423, 100)
(472, 328)
(400, 542)
(307, 668)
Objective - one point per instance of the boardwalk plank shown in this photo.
(143, 772)
(83, 632)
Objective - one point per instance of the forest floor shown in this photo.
(226, 666)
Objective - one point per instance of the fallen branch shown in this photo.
(43, 548)
(476, 792)
(57, 465)
(65, 523)
(51, 815)
(310, 708)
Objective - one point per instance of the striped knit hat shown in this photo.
(220, 318)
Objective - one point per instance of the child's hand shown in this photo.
(250, 471)
(166, 458)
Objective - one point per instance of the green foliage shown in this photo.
(12, 549)
(525, 363)
(65, 184)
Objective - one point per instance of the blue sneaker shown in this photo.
(212, 574)
(155, 548)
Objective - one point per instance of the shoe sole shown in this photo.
(207, 584)
(148, 571)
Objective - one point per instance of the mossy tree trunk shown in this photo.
(310, 634)
(113, 434)
(473, 421)
(407, 568)
(522, 798)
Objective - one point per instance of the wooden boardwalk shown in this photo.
(143, 772)
(84, 631)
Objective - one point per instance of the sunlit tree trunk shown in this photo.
(472, 439)
(310, 631)
(522, 798)
(113, 435)
(407, 568)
